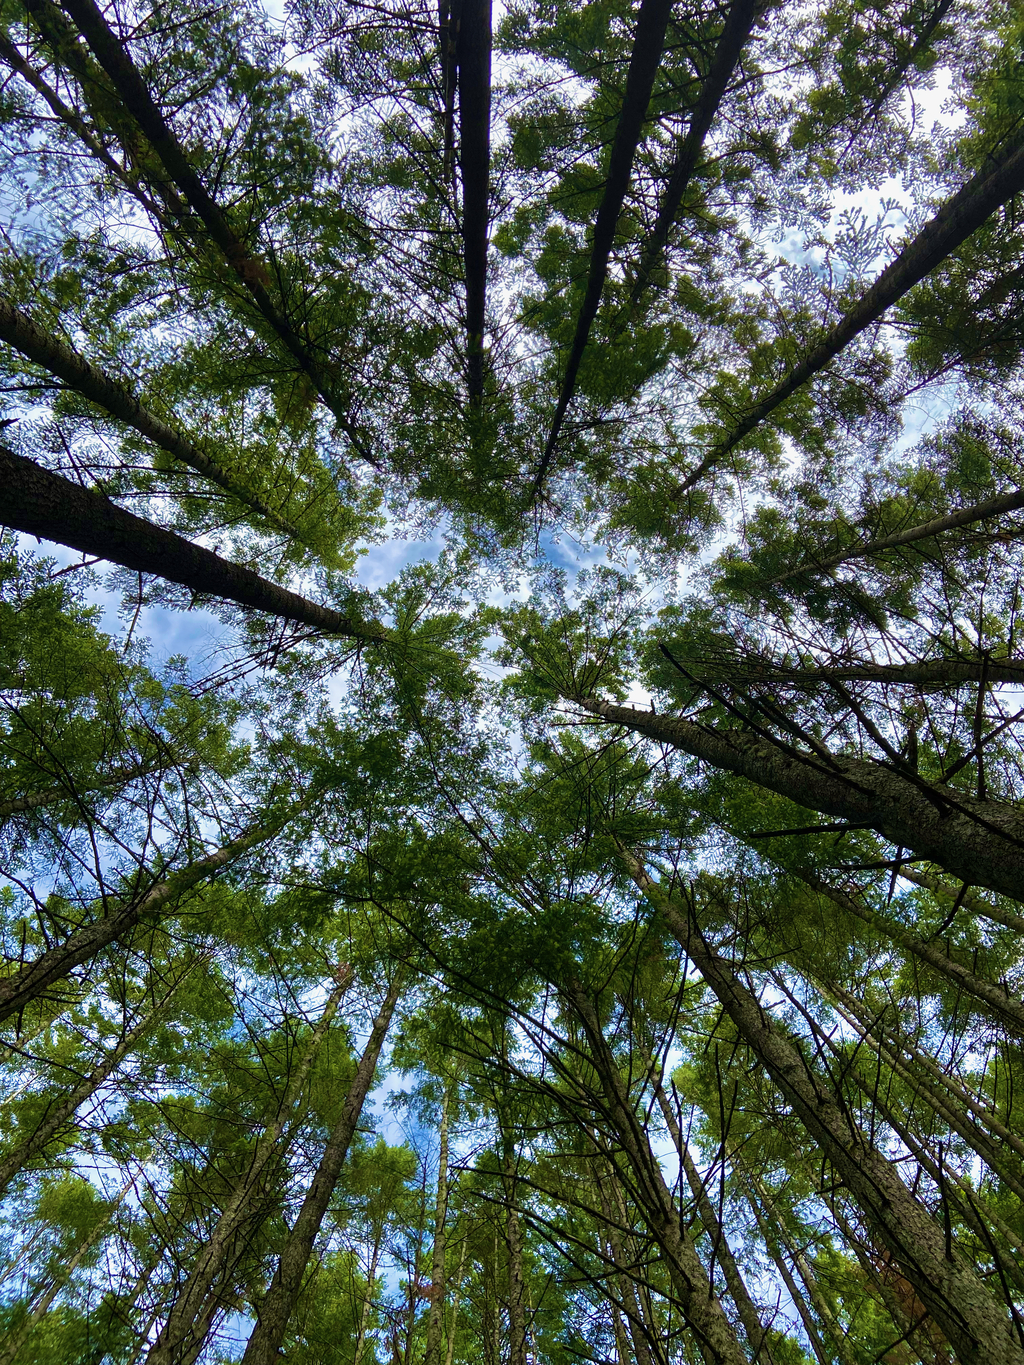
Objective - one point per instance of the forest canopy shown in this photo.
(511, 827)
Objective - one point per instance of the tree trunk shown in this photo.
(58, 1114)
(435, 1320)
(473, 45)
(749, 1315)
(980, 841)
(279, 1301)
(948, 1286)
(516, 1286)
(28, 982)
(42, 503)
(87, 379)
(714, 1334)
(177, 1336)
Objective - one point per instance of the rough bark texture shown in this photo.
(712, 1331)
(980, 841)
(643, 67)
(91, 382)
(743, 669)
(279, 1302)
(948, 1286)
(956, 220)
(965, 516)
(179, 1336)
(28, 982)
(41, 503)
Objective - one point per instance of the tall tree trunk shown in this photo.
(644, 60)
(456, 1299)
(473, 45)
(24, 985)
(771, 1241)
(435, 1320)
(514, 1239)
(948, 1286)
(749, 1314)
(177, 1335)
(716, 1339)
(42, 503)
(57, 1115)
(979, 841)
(279, 1302)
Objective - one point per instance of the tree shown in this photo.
(672, 810)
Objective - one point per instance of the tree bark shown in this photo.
(87, 379)
(251, 272)
(28, 982)
(645, 58)
(737, 28)
(749, 1314)
(435, 1320)
(956, 220)
(177, 1336)
(42, 503)
(57, 1115)
(980, 841)
(473, 48)
(279, 1302)
(948, 1286)
(715, 1337)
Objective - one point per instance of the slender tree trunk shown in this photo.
(716, 1339)
(177, 1335)
(367, 1304)
(749, 1314)
(771, 1241)
(51, 795)
(627, 1290)
(57, 1115)
(980, 841)
(87, 379)
(28, 982)
(279, 1301)
(645, 57)
(948, 1286)
(516, 1287)
(975, 905)
(13, 1343)
(456, 1299)
(435, 1320)
(840, 1347)
(995, 999)
(42, 503)
(473, 44)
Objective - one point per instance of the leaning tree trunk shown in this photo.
(177, 1335)
(29, 982)
(947, 1285)
(980, 841)
(279, 1302)
(718, 1343)
(58, 1114)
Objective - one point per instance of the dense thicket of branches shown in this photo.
(599, 941)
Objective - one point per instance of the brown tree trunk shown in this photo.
(435, 1320)
(177, 1336)
(279, 1302)
(42, 503)
(948, 1286)
(716, 1339)
(979, 841)
(28, 982)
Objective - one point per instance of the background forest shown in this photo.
(510, 782)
